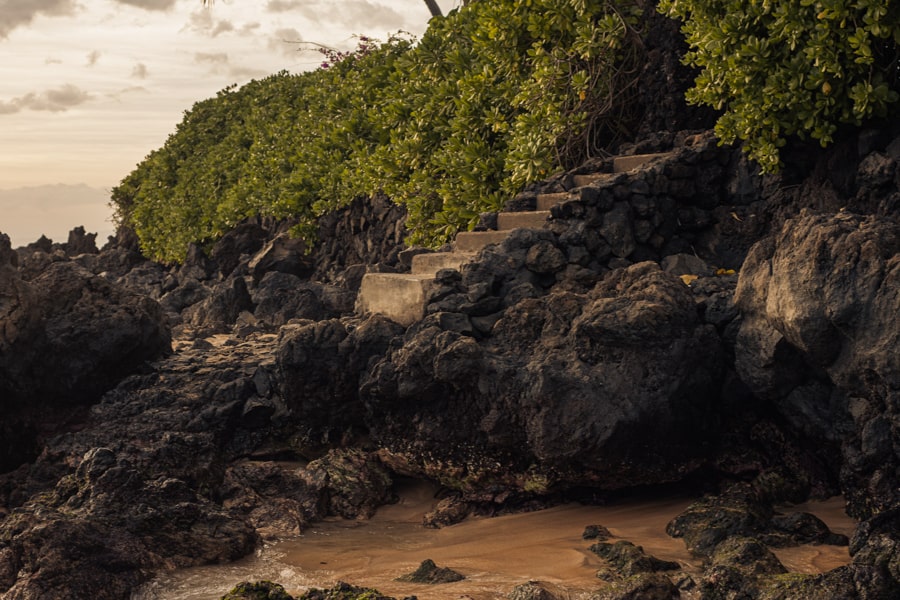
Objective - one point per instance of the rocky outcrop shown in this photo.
(819, 338)
(559, 391)
(170, 469)
(430, 573)
(66, 336)
(320, 365)
(86, 331)
(736, 530)
(602, 351)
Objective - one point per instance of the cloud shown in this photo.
(202, 22)
(139, 71)
(285, 40)
(214, 58)
(93, 57)
(54, 100)
(150, 4)
(239, 72)
(358, 14)
(16, 13)
(220, 64)
(249, 28)
(132, 89)
(278, 6)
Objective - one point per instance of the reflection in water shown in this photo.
(495, 554)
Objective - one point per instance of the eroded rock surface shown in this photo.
(568, 388)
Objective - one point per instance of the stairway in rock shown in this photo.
(402, 296)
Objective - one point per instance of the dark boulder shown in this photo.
(80, 242)
(237, 245)
(320, 366)
(741, 511)
(65, 338)
(284, 254)
(280, 297)
(98, 531)
(568, 387)
(643, 586)
(218, 312)
(628, 559)
(819, 338)
(274, 499)
(430, 573)
(196, 265)
(258, 590)
(345, 591)
(86, 331)
(352, 483)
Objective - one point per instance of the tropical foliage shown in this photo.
(800, 67)
(494, 96)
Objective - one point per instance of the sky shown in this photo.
(90, 87)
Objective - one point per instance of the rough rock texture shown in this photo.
(430, 573)
(65, 337)
(531, 590)
(568, 388)
(628, 560)
(664, 79)
(644, 586)
(345, 591)
(258, 590)
(320, 365)
(819, 338)
(170, 469)
(742, 511)
(368, 232)
(86, 331)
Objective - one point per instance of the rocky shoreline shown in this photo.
(687, 322)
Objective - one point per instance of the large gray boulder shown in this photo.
(820, 338)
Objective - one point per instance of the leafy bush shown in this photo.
(779, 68)
(494, 96)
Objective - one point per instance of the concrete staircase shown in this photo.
(401, 297)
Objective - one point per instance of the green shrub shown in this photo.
(801, 67)
(494, 96)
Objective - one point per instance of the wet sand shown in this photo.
(495, 554)
(818, 559)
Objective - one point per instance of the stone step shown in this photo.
(548, 201)
(532, 219)
(589, 178)
(398, 296)
(431, 263)
(623, 164)
(473, 241)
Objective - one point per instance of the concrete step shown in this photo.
(548, 201)
(532, 219)
(431, 263)
(398, 296)
(589, 178)
(473, 241)
(623, 164)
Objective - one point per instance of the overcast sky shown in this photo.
(90, 87)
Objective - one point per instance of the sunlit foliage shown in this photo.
(494, 96)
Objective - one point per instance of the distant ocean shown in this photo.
(53, 210)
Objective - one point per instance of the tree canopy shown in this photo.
(802, 68)
(495, 95)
